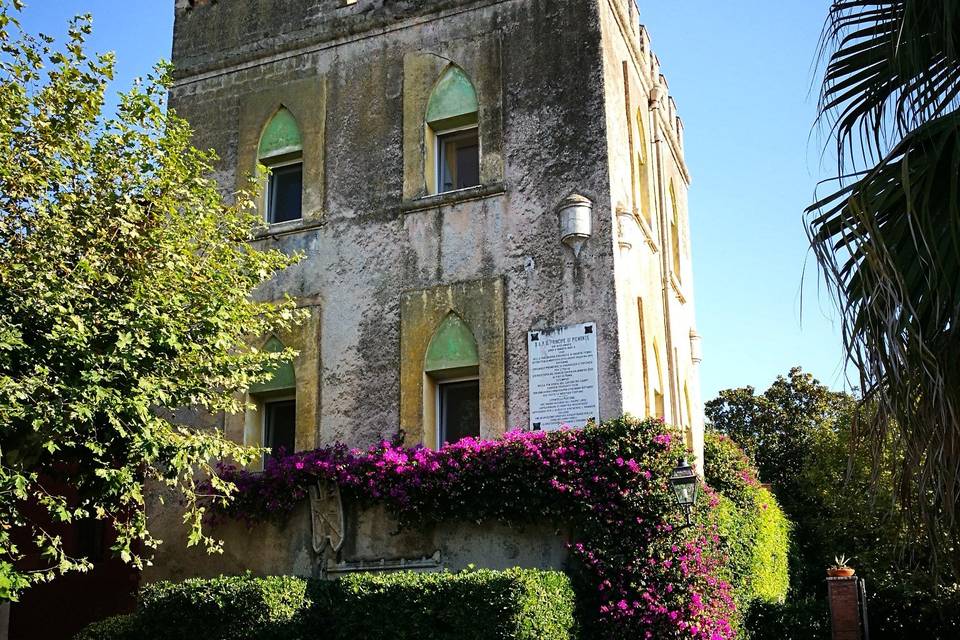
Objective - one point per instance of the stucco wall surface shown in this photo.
(369, 244)
(374, 541)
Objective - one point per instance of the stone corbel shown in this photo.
(424, 564)
(624, 220)
(647, 231)
(677, 289)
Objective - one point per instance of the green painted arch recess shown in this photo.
(454, 99)
(283, 378)
(452, 347)
(282, 136)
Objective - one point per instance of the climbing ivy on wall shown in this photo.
(640, 575)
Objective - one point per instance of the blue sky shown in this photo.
(743, 78)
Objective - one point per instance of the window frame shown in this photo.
(273, 164)
(440, 154)
(264, 417)
(676, 264)
(438, 407)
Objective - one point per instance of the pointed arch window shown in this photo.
(643, 356)
(643, 179)
(451, 370)
(688, 427)
(277, 400)
(281, 151)
(453, 139)
(674, 213)
(659, 405)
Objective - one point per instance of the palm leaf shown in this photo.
(888, 237)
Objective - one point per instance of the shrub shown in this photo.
(753, 530)
(516, 604)
(637, 572)
(124, 627)
(478, 605)
(225, 608)
(824, 476)
(914, 609)
(772, 549)
(799, 619)
(727, 469)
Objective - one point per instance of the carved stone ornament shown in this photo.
(327, 517)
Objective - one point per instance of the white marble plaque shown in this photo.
(563, 376)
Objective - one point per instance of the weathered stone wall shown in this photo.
(368, 244)
(375, 541)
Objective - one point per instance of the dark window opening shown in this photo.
(280, 427)
(459, 160)
(285, 193)
(459, 410)
(90, 537)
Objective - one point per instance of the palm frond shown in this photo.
(888, 238)
(892, 65)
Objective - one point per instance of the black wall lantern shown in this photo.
(684, 483)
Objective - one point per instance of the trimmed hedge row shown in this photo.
(516, 604)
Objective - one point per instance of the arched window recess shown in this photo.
(673, 211)
(281, 151)
(452, 133)
(451, 384)
(276, 402)
(643, 173)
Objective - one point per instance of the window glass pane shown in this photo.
(468, 164)
(459, 410)
(280, 427)
(448, 165)
(286, 193)
(459, 165)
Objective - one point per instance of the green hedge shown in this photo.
(753, 529)
(125, 627)
(516, 604)
(230, 608)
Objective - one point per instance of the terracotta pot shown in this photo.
(845, 572)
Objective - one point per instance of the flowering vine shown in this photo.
(642, 575)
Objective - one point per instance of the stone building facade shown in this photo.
(425, 159)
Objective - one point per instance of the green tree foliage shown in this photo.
(839, 503)
(775, 427)
(888, 239)
(125, 287)
(754, 532)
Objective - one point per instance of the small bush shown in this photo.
(125, 627)
(226, 608)
(479, 605)
(801, 619)
(490, 605)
